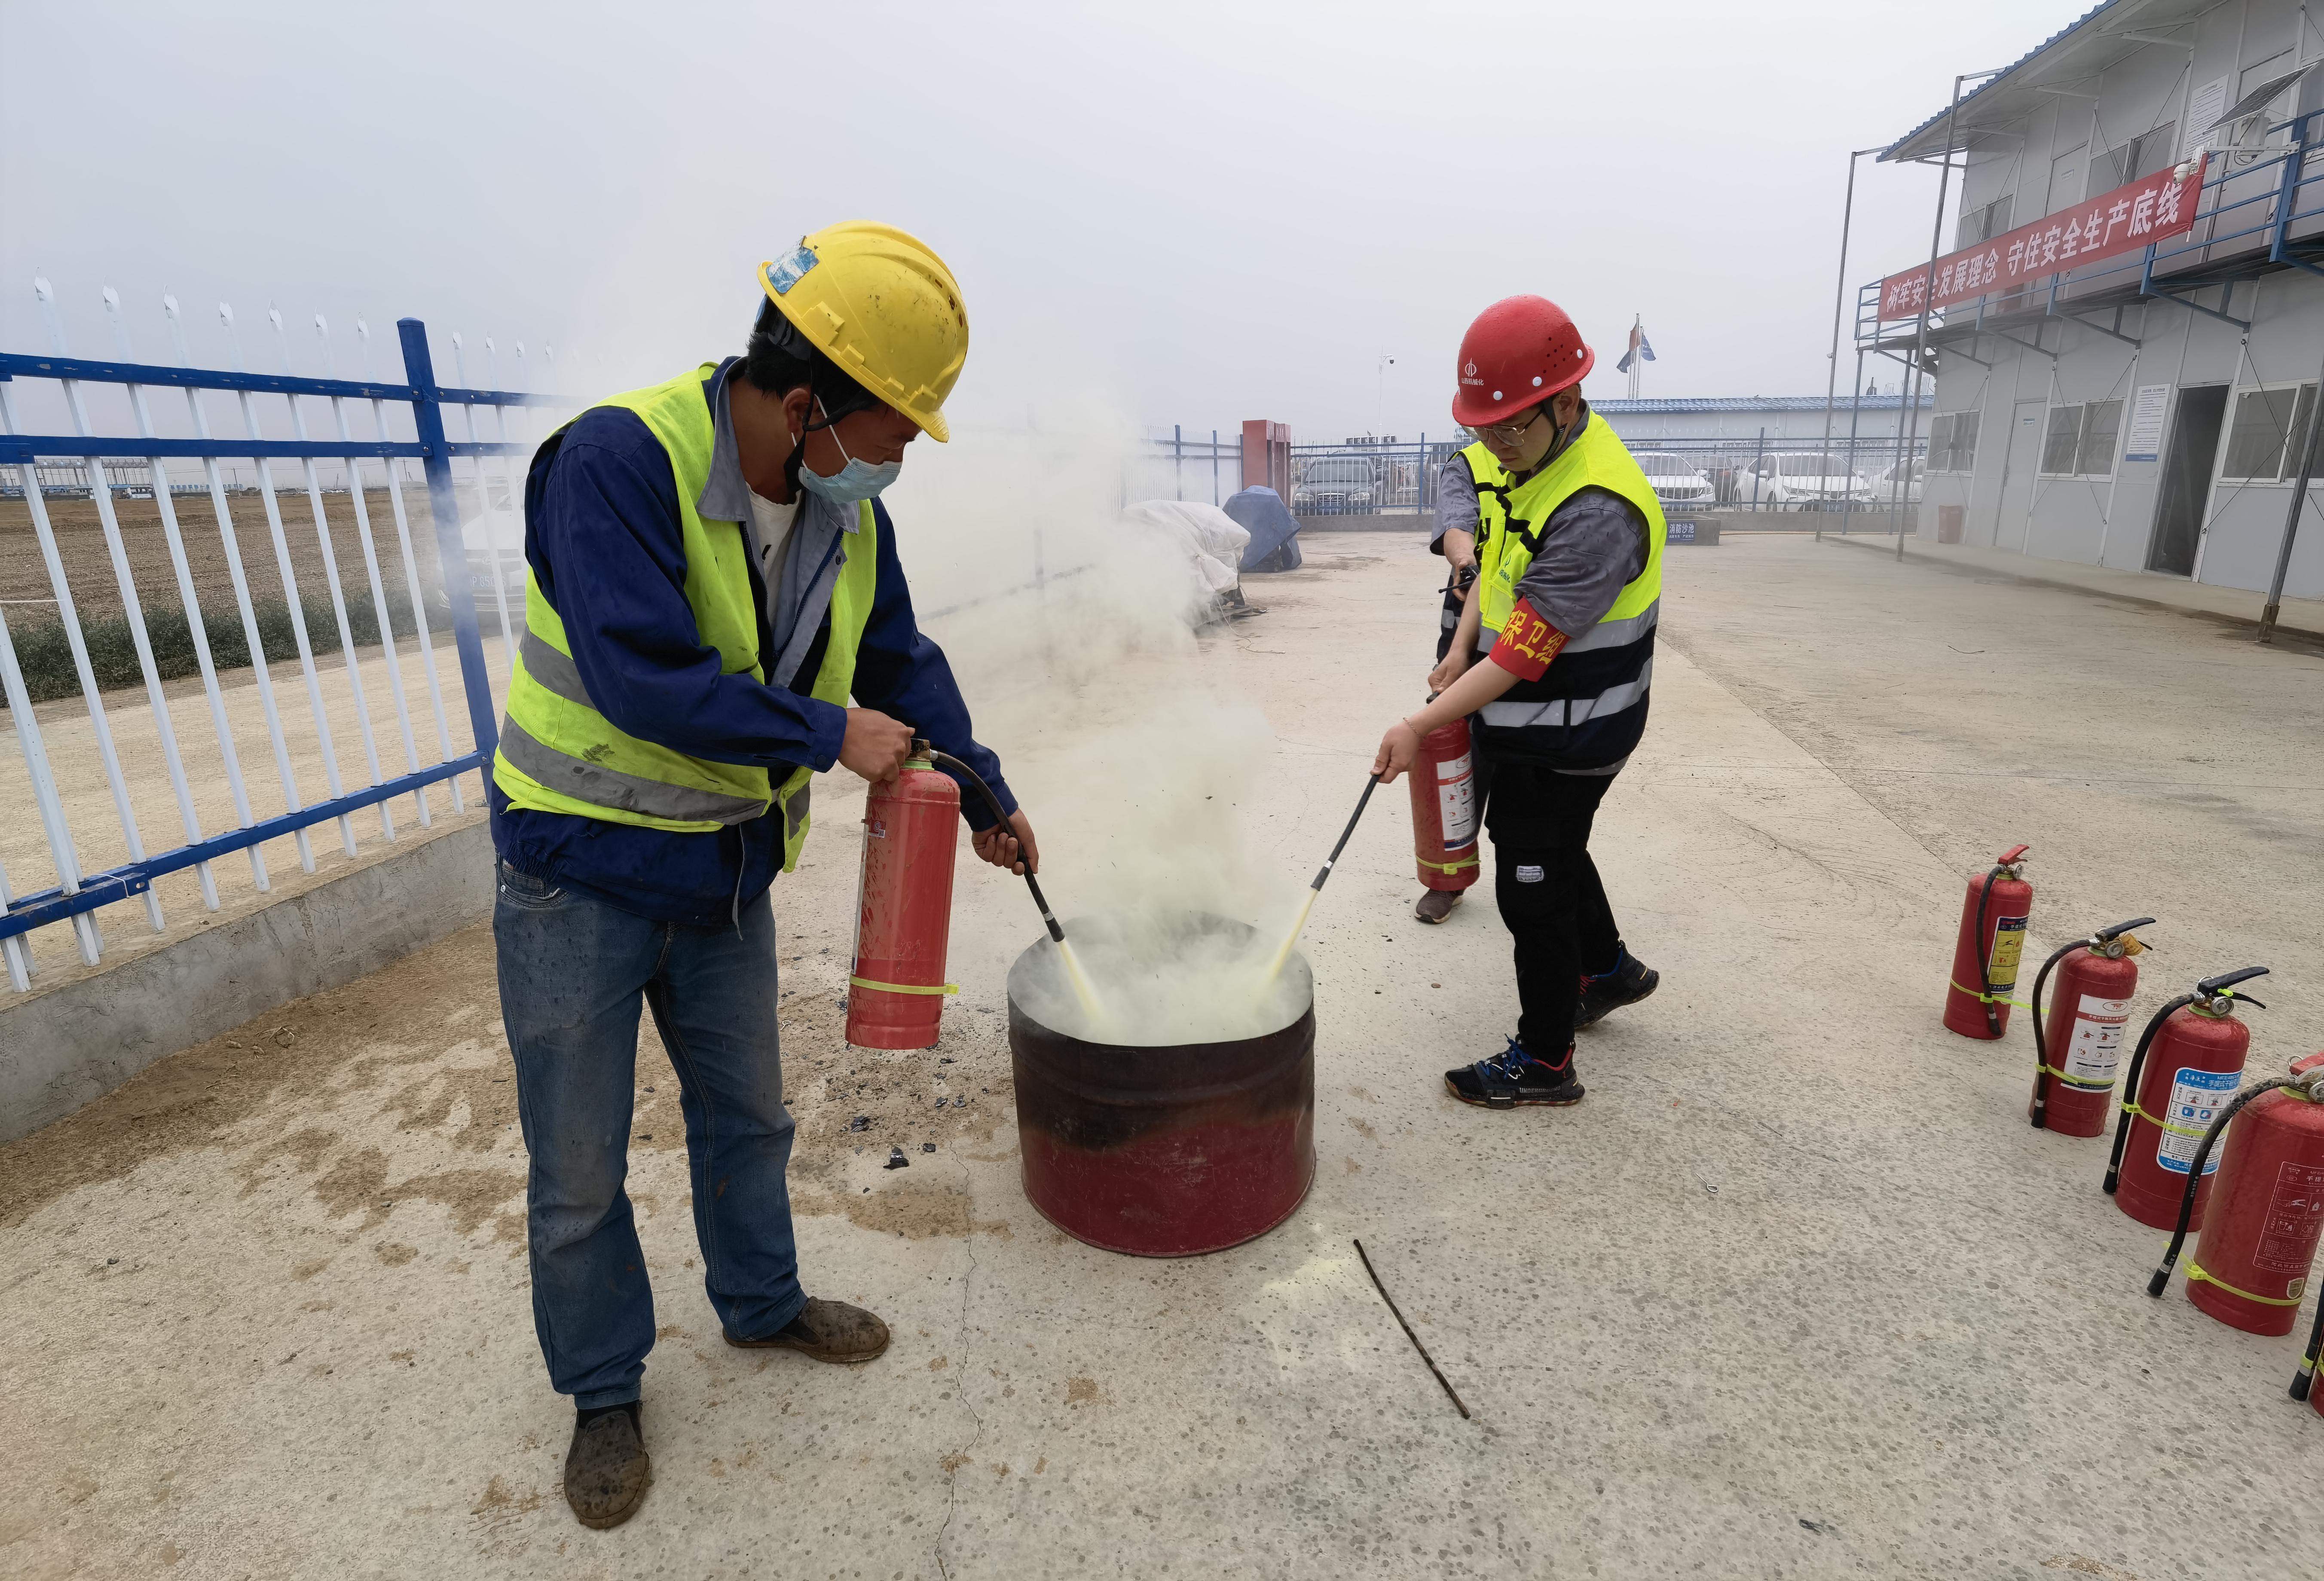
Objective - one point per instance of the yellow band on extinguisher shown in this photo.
(2076, 1083)
(1991, 998)
(2195, 1274)
(1447, 867)
(865, 982)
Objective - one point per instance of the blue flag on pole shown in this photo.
(1638, 348)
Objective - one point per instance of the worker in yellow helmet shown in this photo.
(710, 578)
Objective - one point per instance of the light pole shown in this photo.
(1379, 413)
(1838, 304)
(1927, 291)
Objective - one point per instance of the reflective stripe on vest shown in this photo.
(1517, 716)
(611, 790)
(559, 754)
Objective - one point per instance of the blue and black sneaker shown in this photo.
(1516, 1079)
(1631, 981)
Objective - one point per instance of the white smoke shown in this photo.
(1119, 726)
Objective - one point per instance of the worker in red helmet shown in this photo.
(1552, 657)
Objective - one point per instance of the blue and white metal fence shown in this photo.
(86, 463)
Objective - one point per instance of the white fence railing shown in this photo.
(120, 754)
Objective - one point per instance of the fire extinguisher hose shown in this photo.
(952, 765)
(2304, 1379)
(2041, 1071)
(2161, 1277)
(2130, 1081)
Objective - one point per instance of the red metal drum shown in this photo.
(2006, 901)
(2192, 1072)
(903, 910)
(1164, 1152)
(2083, 1034)
(1444, 808)
(2250, 1265)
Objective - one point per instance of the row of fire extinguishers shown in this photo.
(2195, 1151)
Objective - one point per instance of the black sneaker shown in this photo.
(1516, 1079)
(1627, 984)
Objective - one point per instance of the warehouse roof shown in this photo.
(1673, 405)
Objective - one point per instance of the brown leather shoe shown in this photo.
(829, 1331)
(606, 1470)
(1436, 905)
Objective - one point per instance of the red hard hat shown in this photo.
(1520, 351)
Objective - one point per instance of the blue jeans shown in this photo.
(572, 973)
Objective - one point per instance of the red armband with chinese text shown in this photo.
(1527, 644)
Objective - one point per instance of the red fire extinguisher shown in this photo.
(2186, 1068)
(903, 908)
(1986, 953)
(1443, 781)
(2250, 1267)
(2085, 1029)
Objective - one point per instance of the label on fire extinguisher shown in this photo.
(2287, 1238)
(2096, 1051)
(1456, 802)
(2008, 944)
(2197, 1097)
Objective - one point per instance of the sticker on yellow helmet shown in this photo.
(782, 276)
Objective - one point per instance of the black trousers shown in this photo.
(1551, 898)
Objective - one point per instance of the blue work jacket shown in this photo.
(602, 537)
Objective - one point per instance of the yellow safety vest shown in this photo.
(1492, 482)
(1596, 459)
(558, 754)
(1588, 708)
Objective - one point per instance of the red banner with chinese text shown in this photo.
(2149, 209)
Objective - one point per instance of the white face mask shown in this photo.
(853, 483)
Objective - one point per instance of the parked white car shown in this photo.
(1675, 479)
(1799, 480)
(1884, 487)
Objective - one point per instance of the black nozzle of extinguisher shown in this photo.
(2212, 987)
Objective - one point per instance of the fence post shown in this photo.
(1177, 461)
(1214, 466)
(451, 549)
(1758, 466)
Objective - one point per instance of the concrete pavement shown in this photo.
(1796, 1293)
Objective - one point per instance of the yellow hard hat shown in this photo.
(883, 306)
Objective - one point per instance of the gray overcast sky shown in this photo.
(1205, 211)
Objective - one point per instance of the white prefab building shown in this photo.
(2149, 409)
(1790, 418)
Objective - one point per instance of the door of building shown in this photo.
(2186, 479)
(2018, 465)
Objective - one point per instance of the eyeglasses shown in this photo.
(1507, 433)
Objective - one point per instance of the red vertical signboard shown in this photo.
(2149, 209)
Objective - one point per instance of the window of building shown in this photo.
(1984, 223)
(1952, 442)
(2142, 155)
(2263, 444)
(2080, 441)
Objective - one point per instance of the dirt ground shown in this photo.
(1795, 1294)
(88, 566)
